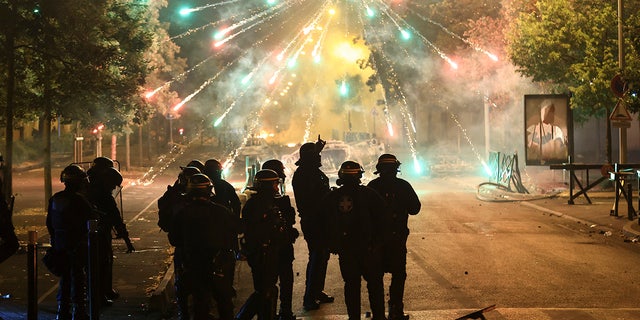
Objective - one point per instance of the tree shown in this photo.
(572, 45)
(78, 59)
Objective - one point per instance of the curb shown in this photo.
(627, 229)
(162, 297)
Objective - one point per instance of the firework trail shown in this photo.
(204, 85)
(302, 32)
(409, 126)
(178, 77)
(245, 81)
(318, 46)
(449, 32)
(453, 116)
(442, 55)
(259, 17)
(309, 121)
(187, 11)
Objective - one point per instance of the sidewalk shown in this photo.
(598, 215)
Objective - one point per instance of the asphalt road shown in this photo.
(464, 254)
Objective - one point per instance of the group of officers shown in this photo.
(366, 226)
(87, 195)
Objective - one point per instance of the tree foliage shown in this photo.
(78, 60)
(573, 46)
(83, 59)
(164, 65)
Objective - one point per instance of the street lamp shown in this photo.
(98, 132)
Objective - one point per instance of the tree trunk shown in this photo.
(46, 137)
(609, 152)
(114, 147)
(141, 164)
(8, 152)
(127, 150)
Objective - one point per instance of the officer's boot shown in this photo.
(249, 308)
(183, 307)
(396, 312)
(80, 311)
(64, 311)
(271, 304)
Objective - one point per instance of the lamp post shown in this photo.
(170, 117)
(98, 132)
(623, 131)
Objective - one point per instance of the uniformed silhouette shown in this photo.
(310, 185)
(357, 213)
(67, 216)
(265, 233)
(206, 231)
(401, 201)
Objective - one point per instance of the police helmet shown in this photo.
(308, 149)
(112, 178)
(73, 174)
(212, 167)
(387, 162)
(275, 165)
(265, 178)
(195, 163)
(186, 173)
(102, 162)
(98, 167)
(349, 170)
(199, 183)
(309, 154)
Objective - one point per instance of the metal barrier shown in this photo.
(505, 171)
(605, 170)
(92, 273)
(573, 179)
(621, 179)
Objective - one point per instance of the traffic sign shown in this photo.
(620, 113)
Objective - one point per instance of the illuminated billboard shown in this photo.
(548, 130)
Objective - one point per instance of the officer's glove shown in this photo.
(130, 247)
(320, 144)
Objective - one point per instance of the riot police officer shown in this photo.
(356, 213)
(103, 180)
(225, 194)
(171, 202)
(310, 184)
(401, 201)
(8, 240)
(206, 231)
(67, 216)
(265, 233)
(286, 256)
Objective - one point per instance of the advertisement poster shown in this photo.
(548, 134)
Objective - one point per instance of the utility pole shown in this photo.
(622, 130)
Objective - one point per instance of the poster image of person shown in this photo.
(547, 135)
